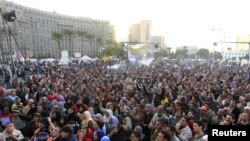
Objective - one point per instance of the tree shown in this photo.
(99, 41)
(57, 36)
(181, 53)
(203, 53)
(82, 35)
(90, 38)
(161, 53)
(69, 34)
(217, 55)
(2, 33)
(114, 49)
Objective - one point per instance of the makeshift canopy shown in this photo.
(86, 58)
(50, 60)
(64, 61)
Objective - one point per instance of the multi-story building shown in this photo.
(159, 40)
(243, 46)
(230, 54)
(140, 32)
(134, 32)
(33, 30)
(145, 33)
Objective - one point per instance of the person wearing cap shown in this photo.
(210, 113)
(203, 111)
(17, 105)
(10, 133)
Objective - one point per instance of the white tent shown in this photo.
(32, 60)
(85, 58)
(64, 61)
(50, 60)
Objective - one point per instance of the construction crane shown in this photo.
(215, 44)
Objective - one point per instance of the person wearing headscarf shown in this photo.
(113, 123)
(123, 131)
(87, 121)
(98, 122)
(109, 107)
(72, 116)
(98, 134)
(68, 103)
(127, 127)
(32, 110)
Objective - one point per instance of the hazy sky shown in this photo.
(182, 22)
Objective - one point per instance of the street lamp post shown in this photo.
(248, 53)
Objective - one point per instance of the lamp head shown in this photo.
(9, 16)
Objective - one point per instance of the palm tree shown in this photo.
(90, 38)
(2, 33)
(69, 34)
(57, 36)
(82, 35)
(99, 42)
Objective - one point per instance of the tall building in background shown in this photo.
(140, 32)
(145, 33)
(243, 47)
(160, 40)
(134, 32)
(33, 29)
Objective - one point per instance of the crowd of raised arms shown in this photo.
(169, 100)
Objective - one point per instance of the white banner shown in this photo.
(142, 54)
(65, 54)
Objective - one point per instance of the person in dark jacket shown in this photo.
(67, 134)
(72, 116)
(154, 96)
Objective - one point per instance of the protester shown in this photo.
(10, 133)
(156, 98)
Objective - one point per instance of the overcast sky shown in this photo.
(182, 22)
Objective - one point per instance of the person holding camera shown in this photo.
(10, 133)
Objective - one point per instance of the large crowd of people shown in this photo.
(169, 100)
